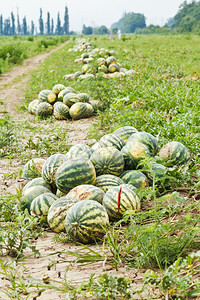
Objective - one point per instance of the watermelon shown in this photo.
(38, 181)
(44, 110)
(78, 111)
(111, 60)
(58, 211)
(118, 200)
(70, 98)
(125, 132)
(112, 140)
(86, 221)
(90, 110)
(64, 92)
(108, 160)
(96, 146)
(86, 153)
(58, 88)
(47, 96)
(30, 194)
(105, 182)
(175, 153)
(96, 104)
(41, 204)
(33, 168)
(85, 68)
(147, 139)
(76, 149)
(133, 153)
(83, 97)
(158, 171)
(51, 166)
(61, 111)
(87, 192)
(133, 189)
(135, 177)
(113, 68)
(74, 172)
(32, 107)
(101, 61)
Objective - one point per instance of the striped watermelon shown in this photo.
(118, 200)
(113, 68)
(64, 92)
(90, 110)
(175, 153)
(136, 178)
(61, 111)
(70, 98)
(41, 204)
(85, 221)
(78, 111)
(51, 166)
(96, 146)
(125, 132)
(74, 172)
(30, 194)
(112, 140)
(58, 211)
(87, 192)
(44, 110)
(86, 153)
(157, 172)
(105, 182)
(47, 96)
(146, 138)
(38, 181)
(58, 88)
(76, 149)
(108, 160)
(83, 97)
(133, 153)
(32, 107)
(133, 189)
(33, 168)
(111, 60)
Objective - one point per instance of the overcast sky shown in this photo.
(92, 12)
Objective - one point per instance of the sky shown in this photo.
(92, 12)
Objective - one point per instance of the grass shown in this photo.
(162, 98)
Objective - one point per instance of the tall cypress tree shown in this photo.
(48, 24)
(1, 25)
(66, 21)
(24, 26)
(18, 26)
(41, 23)
(58, 27)
(13, 32)
(52, 26)
(32, 28)
(7, 28)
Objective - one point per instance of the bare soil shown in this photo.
(47, 265)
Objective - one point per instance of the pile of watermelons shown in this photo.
(64, 103)
(81, 191)
(97, 61)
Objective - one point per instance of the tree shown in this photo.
(101, 30)
(58, 26)
(188, 17)
(13, 24)
(41, 23)
(87, 30)
(48, 24)
(130, 22)
(18, 26)
(52, 26)
(1, 25)
(66, 22)
(32, 28)
(24, 26)
(7, 28)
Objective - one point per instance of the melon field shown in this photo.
(100, 168)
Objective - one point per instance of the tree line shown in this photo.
(13, 26)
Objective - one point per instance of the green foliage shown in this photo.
(187, 19)
(130, 22)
